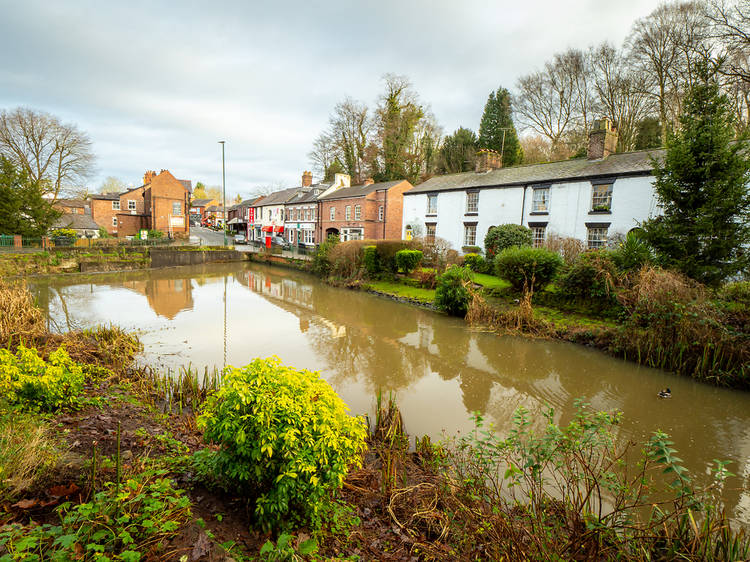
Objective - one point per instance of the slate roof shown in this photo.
(107, 196)
(625, 163)
(200, 202)
(187, 184)
(76, 222)
(277, 198)
(359, 190)
(71, 203)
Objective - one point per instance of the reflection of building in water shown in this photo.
(166, 297)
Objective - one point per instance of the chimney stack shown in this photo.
(148, 176)
(602, 139)
(369, 181)
(306, 179)
(487, 160)
(342, 180)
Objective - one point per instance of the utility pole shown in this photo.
(502, 149)
(224, 194)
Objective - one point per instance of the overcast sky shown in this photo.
(157, 84)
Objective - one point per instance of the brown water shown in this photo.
(439, 370)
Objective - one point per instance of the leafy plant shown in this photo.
(285, 440)
(499, 238)
(408, 260)
(371, 260)
(321, 263)
(452, 291)
(633, 252)
(527, 268)
(476, 263)
(64, 233)
(284, 549)
(593, 276)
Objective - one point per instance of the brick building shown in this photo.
(161, 203)
(371, 211)
(104, 209)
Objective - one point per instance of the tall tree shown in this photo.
(23, 209)
(112, 184)
(496, 129)
(458, 152)
(702, 186)
(56, 155)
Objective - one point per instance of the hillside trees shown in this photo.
(458, 152)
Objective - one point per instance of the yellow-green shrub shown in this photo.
(30, 382)
(285, 440)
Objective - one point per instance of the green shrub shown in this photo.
(408, 260)
(737, 292)
(499, 238)
(633, 252)
(64, 233)
(527, 267)
(471, 249)
(285, 440)
(476, 263)
(103, 233)
(30, 382)
(371, 260)
(321, 264)
(593, 276)
(387, 250)
(155, 234)
(451, 292)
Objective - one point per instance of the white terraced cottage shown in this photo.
(592, 199)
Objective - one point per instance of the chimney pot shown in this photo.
(487, 160)
(602, 139)
(306, 178)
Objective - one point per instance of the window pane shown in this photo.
(538, 233)
(176, 208)
(470, 235)
(597, 237)
(357, 212)
(430, 235)
(472, 202)
(601, 197)
(432, 204)
(540, 201)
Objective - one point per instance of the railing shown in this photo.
(10, 243)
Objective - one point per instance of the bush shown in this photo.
(451, 292)
(737, 292)
(321, 263)
(499, 238)
(64, 235)
(30, 382)
(569, 248)
(593, 276)
(103, 233)
(346, 259)
(285, 440)
(471, 249)
(427, 278)
(408, 260)
(371, 260)
(632, 253)
(527, 268)
(387, 250)
(155, 234)
(477, 263)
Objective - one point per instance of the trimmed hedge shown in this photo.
(520, 266)
(408, 260)
(499, 238)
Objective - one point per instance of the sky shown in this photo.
(156, 85)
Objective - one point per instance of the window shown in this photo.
(357, 212)
(308, 214)
(115, 205)
(430, 231)
(348, 212)
(114, 221)
(131, 205)
(540, 201)
(333, 213)
(269, 214)
(380, 213)
(472, 202)
(308, 236)
(470, 235)
(601, 197)
(176, 208)
(537, 235)
(432, 204)
(597, 237)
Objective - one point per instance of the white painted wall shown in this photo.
(633, 200)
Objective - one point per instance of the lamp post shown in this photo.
(224, 194)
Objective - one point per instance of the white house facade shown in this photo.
(592, 199)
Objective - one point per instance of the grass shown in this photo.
(489, 281)
(403, 291)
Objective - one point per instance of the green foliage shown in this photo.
(285, 439)
(64, 233)
(129, 523)
(321, 263)
(648, 134)
(702, 187)
(103, 233)
(371, 261)
(477, 263)
(452, 291)
(498, 115)
(408, 260)
(737, 292)
(527, 268)
(31, 383)
(458, 152)
(23, 210)
(155, 234)
(633, 252)
(499, 238)
(593, 276)
(284, 549)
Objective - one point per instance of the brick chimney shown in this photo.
(306, 179)
(369, 181)
(487, 160)
(602, 139)
(148, 176)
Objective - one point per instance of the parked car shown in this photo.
(279, 241)
(240, 239)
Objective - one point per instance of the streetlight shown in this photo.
(224, 193)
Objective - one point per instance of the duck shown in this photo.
(666, 393)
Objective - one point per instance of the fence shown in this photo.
(10, 243)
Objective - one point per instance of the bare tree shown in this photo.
(731, 26)
(324, 152)
(56, 154)
(350, 130)
(112, 184)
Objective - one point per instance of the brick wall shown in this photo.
(394, 209)
(103, 213)
(130, 225)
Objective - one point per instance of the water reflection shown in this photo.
(362, 344)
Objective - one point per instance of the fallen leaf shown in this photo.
(63, 491)
(26, 504)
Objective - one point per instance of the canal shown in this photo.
(439, 370)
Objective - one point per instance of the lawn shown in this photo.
(400, 290)
(489, 281)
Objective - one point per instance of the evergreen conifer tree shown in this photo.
(496, 118)
(702, 187)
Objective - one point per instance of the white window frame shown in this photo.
(114, 221)
(540, 200)
(348, 213)
(601, 196)
(470, 235)
(596, 237)
(133, 206)
(357, 212)
(308, 236)
(472, 202)
(332, 213)
(115, 205)
(432, 204)
(430, 227)
(381, 212)
(176, 205)
(538, 235)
